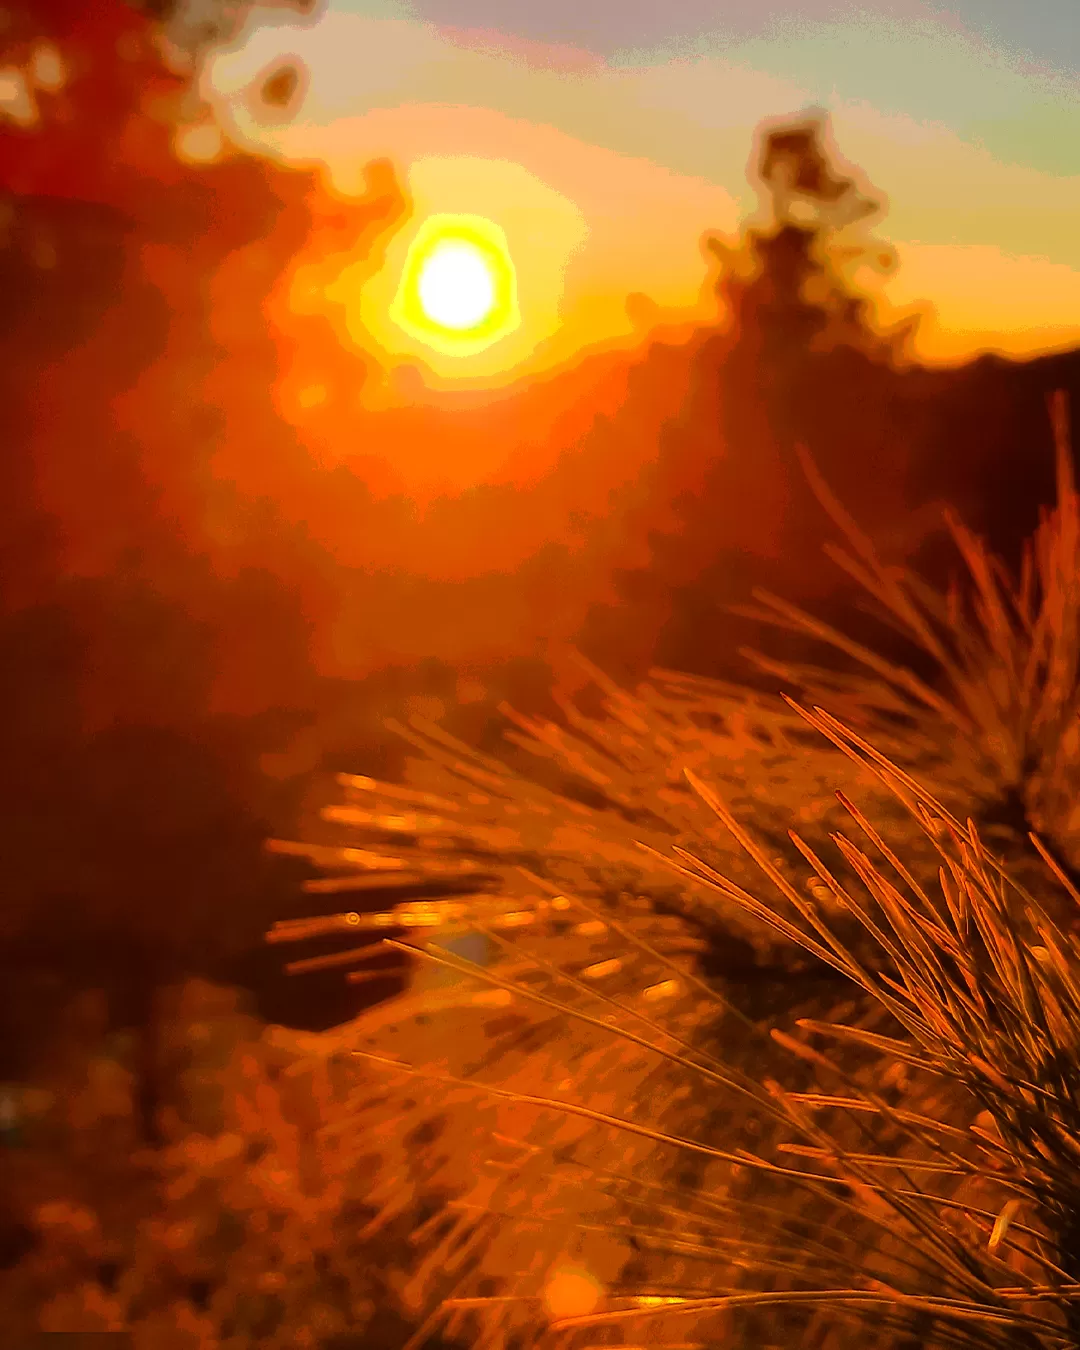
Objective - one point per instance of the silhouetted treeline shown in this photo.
(197, 611)
(800, 363)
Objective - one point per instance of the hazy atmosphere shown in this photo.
(253, 505)
(367, 362)
(624, 131)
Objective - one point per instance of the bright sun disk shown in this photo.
(458, 286)
(455, 286)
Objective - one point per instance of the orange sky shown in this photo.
(436, 526)
(604, 173)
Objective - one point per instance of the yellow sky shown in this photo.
(605, 176)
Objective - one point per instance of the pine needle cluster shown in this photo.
(766, 1045)
(1006, 652)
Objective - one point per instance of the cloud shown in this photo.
(647, 153)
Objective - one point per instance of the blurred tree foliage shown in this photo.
(132, 813)
(799, 359)
(133, 803)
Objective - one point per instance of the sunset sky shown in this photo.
(605, 138)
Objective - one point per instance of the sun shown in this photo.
(455, 286)
(458, 290)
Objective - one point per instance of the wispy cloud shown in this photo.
(633, 155)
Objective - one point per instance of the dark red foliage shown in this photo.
(185, 583)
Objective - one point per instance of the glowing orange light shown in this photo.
(458, 291)
(571, 1292)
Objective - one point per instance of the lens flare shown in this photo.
(458, 290)
(571, 1291)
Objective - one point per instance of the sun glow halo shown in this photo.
(458, 290)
